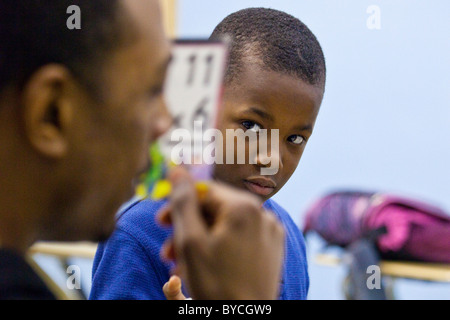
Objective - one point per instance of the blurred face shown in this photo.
(268, 100)
(112, 136)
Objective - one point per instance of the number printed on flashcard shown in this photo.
(193, 88)
(200, 113)
(193, 61)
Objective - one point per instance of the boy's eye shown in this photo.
(250, 125)
(296, 139)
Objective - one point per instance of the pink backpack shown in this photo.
(401, 228)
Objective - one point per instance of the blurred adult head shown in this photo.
(78, 110)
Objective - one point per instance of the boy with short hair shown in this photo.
(275, 80)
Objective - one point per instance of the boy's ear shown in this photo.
(46, 110)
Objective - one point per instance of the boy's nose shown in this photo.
(269, 158)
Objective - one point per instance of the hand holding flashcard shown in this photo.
(192, 90)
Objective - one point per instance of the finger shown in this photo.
(218, 192)
(185, 211)
(216, 207)
(172, 289)
(168, 251)
(163, 216)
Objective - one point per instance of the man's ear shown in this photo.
(47, 110)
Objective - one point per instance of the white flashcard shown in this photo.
(193, 92)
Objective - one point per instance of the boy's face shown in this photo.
(262, 99)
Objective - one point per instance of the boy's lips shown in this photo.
(260, 185)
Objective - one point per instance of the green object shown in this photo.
(156, 172)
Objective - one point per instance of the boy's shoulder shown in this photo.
(138, 207)
(140, 216)
(285, 218)
(276, 208)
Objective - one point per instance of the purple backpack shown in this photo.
(401, 228)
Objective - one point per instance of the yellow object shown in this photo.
(141, 191)
(161, 190)
(202, 189)
(169, 11)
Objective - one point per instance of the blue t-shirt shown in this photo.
(128, 264)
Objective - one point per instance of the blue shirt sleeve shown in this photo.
(128, 266)
(295, 280)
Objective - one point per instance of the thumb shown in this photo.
(172, 289)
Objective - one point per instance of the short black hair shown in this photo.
(281, 42)
(34, 33)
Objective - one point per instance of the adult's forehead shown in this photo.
(146, 20)
(144, 14)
